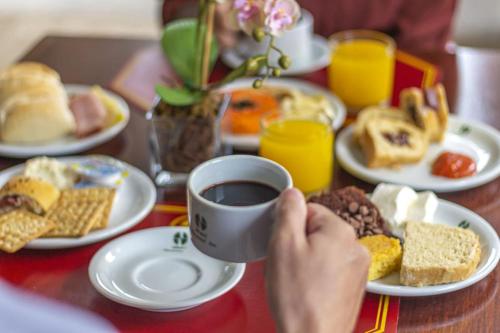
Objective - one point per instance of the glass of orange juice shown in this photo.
(303, 145)
(361, 70)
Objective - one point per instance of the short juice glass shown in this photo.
(304, 146)
(361, 71)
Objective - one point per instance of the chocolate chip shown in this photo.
(353, 207)
(364, 210)
(358, 217)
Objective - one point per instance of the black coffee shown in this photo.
(240, 193)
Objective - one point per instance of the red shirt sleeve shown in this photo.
(170, 8)
(425, 25)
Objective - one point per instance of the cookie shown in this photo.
(74, 218)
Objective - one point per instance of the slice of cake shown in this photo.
(352, 205)
(385, 253)
(390, 142)
(436, 254)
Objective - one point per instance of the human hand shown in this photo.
(316, 270)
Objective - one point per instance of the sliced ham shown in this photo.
(89, 112)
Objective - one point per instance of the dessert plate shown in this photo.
(70, 144)
(134, 200)
(159, 269)
(450, 214)
(251, 142)
(320, 58)
(479, 141)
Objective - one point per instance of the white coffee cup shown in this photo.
(233, 233)
(295, 43)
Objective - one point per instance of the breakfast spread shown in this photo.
(248, 106)
(436, 254)
(46, 201)
(390, 137)
(397, 225)
(385, 253)
(453, 165)
(355, 208)
(35, 108)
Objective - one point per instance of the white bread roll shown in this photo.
(33, 105)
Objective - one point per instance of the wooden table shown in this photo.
(472, 79)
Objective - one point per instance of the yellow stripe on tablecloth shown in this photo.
(170, 208)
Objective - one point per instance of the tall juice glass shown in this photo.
(304, 146)
(361, 70)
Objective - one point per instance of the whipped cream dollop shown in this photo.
(399, 204)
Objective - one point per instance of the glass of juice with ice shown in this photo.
(303, 145)
(361, 70)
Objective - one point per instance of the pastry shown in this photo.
(32, 194)
(428, 109)
(375, 113)
(389, 142)
(436, 254)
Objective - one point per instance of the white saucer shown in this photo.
(70, 144)
(251, 142)
(134, 200)
(450, 214)
(481, 142)
(320, 58)
(159, 269)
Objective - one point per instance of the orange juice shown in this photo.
(362, 68)
(304, 147)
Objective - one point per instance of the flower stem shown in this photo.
(207, 42)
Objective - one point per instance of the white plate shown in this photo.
(159, 269)
(70, 144)
(251, 142)
(482, 144)
(133, 201)
(320, 58)
(450, 214)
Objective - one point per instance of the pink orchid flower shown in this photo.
(249, 14)
(280, 15)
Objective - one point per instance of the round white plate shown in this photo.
(320, 58)
(482, 143)
(450, 214)
(70, 144)
(159, 269)
(251, 142)
(134, 200)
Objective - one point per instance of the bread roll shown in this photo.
(33, 105)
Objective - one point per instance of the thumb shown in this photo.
(291, 215)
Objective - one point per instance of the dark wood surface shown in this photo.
(472, 79)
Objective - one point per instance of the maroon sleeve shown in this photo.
(171, 7)
(425, 25)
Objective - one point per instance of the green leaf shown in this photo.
(179, 46)
(178, 96)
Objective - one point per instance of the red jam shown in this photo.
(453, 165)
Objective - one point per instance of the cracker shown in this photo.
(95, 194)
(74, 218)
(19, 227)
